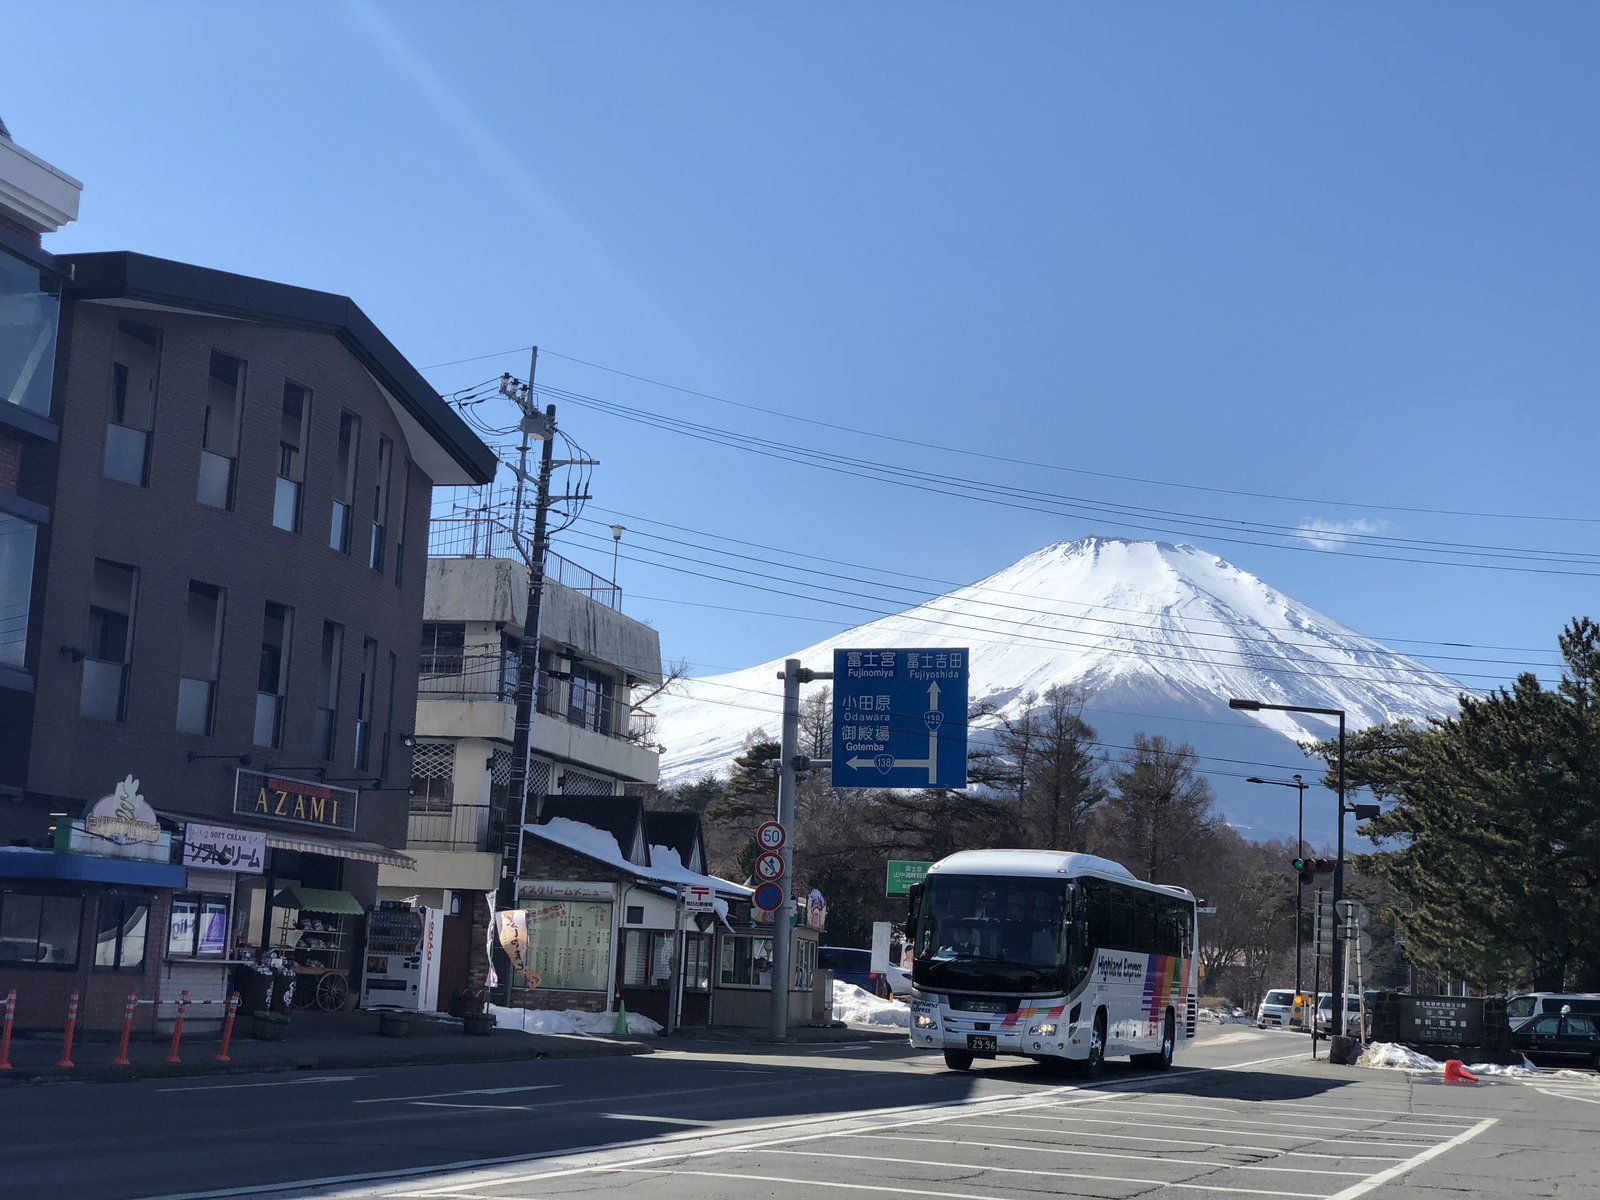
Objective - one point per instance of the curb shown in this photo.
(313, 1060)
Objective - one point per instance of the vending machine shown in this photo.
(402, 957)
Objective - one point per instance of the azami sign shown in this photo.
(302, 801)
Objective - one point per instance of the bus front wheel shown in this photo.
(958, 1060)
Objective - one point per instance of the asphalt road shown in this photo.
(1247, 1114)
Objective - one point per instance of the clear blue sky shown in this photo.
(1346, 253)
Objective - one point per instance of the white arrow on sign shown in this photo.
(933, 718)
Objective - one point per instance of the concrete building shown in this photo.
(207, 694)
(586, 739)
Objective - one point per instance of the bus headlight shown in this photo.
(1048, 1029)
(924, 1021)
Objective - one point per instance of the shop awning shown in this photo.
(17, 862)
(338, 848)
(318, 900)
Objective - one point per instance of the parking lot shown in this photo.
(1275, 1126)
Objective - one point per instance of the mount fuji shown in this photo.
(1158, 637)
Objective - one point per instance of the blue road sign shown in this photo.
(900, 718)
(768, 897)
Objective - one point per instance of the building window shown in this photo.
(499, 779)
(328, 672)
(272, 676)
(697, 962)
(646, 958)
(400, 539)
(345, 479)
(380, 505)
(199, 926)
(388, 715)
(219, 438)
(805, 965)
(17, 539)
(433, 766)
(364, 702)
(746, 961)
(40, 930)
(135, 370)
(30, 310)
(634, 915)
(582, 783)
(291, 458)
(120, 933)
(199, 659)
(105, 671)
(589, 700)
(569, 944)
(443, 647)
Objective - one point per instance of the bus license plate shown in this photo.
(982, 1041)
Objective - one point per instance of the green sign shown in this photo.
(903, 874)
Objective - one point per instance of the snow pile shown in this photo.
(1401, 1058)
(858, 1007)
(572, 1021)
(1224, 1016)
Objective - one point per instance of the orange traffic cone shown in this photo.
(1455, 1072)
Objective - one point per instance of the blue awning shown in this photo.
(19, 862)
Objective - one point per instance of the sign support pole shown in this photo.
(782, 933)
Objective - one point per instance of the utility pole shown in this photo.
(541, 425)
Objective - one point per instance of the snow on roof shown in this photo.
(597, 844)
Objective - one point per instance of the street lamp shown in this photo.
(616, 540)
(1336, 972)
(1299, 848)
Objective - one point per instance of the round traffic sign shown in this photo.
(771, 835)
(768, 897)
(769, 866)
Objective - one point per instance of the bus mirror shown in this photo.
(913, 912)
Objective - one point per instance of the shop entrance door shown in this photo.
(454, 952)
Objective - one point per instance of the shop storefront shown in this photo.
(88, 916)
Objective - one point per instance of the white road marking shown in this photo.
(1183, 1162)
(223, 1087)
(1388, 1112)
(1256, 1062)
(1154, 1102)
(504, 1091)
(904, 1189)
(1568, 1096)
(1309, 1139)
(654, 1120)
(1382, 1177)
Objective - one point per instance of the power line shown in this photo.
(1023, 462)
(1005, 496)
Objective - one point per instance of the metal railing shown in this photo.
(464, 827)
(486, 535)
(491, 676)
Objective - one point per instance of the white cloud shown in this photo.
(1334, 536)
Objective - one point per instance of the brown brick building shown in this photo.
(224, 610)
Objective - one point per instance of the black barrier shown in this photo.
(1443, 1026)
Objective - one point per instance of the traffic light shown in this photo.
(1309, 868)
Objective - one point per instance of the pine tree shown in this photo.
(1493, 840)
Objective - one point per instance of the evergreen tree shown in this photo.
(1159, 821)
(1493, 840)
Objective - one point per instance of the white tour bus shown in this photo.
(1051, 956)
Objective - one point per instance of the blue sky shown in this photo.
(1341, 255)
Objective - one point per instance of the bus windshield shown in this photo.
(992, 933)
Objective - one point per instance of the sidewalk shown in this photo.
(316, 1041)
(319, 1041)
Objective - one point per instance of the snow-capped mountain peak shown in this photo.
(1159, 635)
